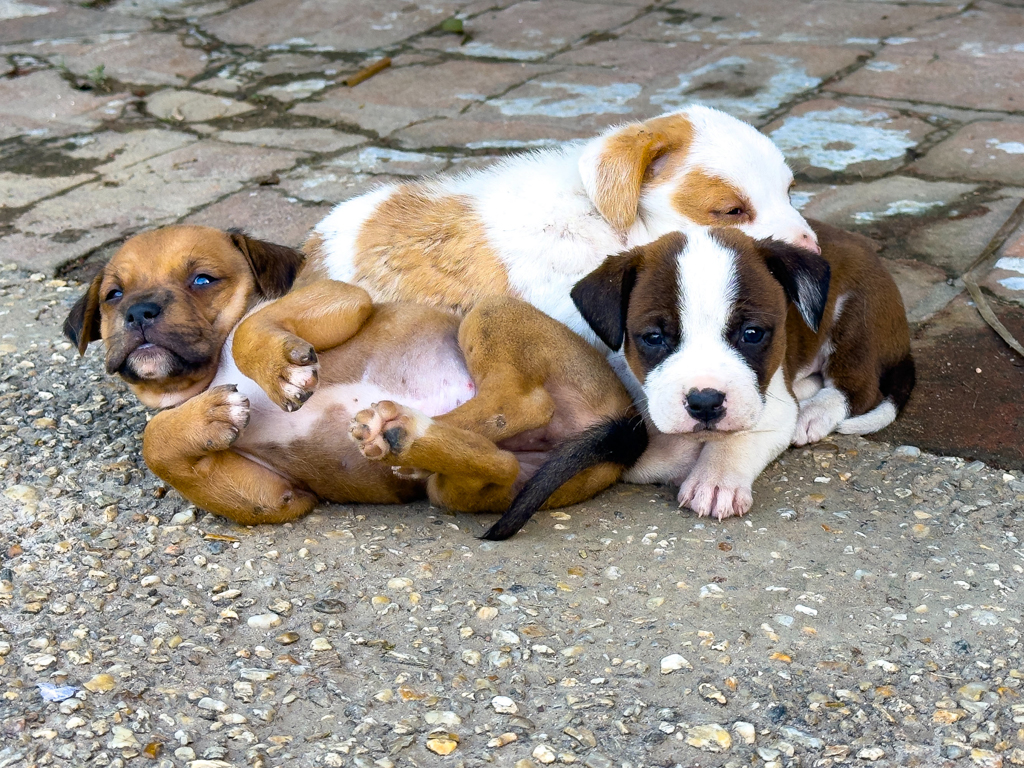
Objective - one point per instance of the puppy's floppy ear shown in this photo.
(273, 266)
(602, 297)
(615, 165)
(804, 277)
(82, 325)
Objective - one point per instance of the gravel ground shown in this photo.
(868, 610)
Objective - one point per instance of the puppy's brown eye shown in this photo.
(114, 294)
(654, 339)
(734, 212)
(753, 335)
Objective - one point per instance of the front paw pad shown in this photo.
(225, 415)
(717, 498)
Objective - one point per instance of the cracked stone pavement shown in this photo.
(867, 611)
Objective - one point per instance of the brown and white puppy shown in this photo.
(533, 225)
(741, 347)
(467, 410)
(168, 299)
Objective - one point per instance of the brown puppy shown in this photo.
(235, 445)
(474, 406)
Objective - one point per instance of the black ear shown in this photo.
(82, 325)
(273, 266)
(602, 297)
(804, 277)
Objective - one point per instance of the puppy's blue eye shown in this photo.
(114, 295)
(753, 335)
(653, 338)
(201, 280)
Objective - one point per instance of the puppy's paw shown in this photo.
(223, 415)
(385, 430)
(297, 375)
(819, 416)
(367, 429)
(284, 366)
(717, 497)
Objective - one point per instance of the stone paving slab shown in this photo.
(982, 151)
(636, 60)
(486, 135)
(326, 184)
(357, 172)
(398, 97)
(821, 22)
(42, 104)
(825, 137)
(193, 107)
(264, 213)
(973, 59)
(18, 190)
(749, 81)
(25, 23)
(364, 24)
(117, 151)
(150, 193)
(893, 196)
(525, 75)
(168, 9)
(139, 58)
(925, 289)
(955, 244)
(531, 30)
(303, 139)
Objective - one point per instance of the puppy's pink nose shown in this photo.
(809, 241)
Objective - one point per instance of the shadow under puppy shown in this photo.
(739, 348)
(466, 410)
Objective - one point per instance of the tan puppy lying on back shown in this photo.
(473, 405)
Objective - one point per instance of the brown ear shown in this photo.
(82, 325)
(273, 266)
(614, 166)
(602, 297)
(804, 276)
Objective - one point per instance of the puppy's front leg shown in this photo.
(189, 447)
(668, 459)
(720, 483)
(276, 345)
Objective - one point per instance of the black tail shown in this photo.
(621, 440)
(898, 382)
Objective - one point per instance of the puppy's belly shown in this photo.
(312, 445)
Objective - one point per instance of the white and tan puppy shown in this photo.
(739, 348)
(533, 225)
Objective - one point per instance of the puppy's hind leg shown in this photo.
(468, 472)
(500, 339)
(820, 414)
(276, 345)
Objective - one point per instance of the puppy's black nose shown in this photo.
(143, 313)
(705, 404)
